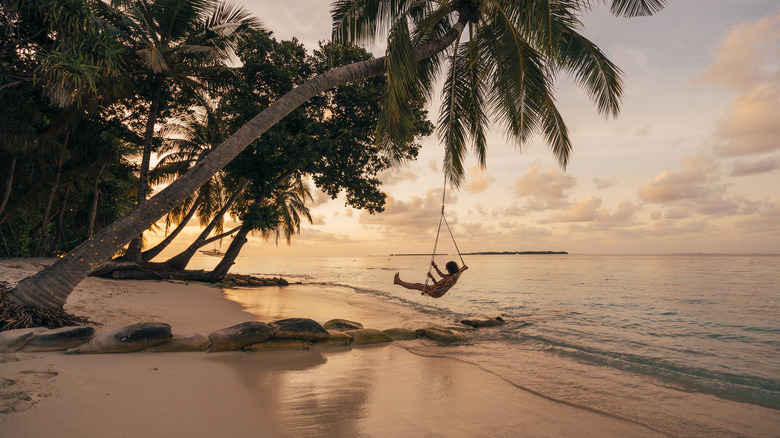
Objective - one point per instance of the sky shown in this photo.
(691, 164)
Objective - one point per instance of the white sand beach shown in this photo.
(379, 390)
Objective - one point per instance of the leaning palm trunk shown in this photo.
(157, 249)
(181, 260)
(95, 198)
(231, 254)
(9, 180)
(43, 240)
(134, 250)
(51, 287)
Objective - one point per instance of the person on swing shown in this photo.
(451, 267)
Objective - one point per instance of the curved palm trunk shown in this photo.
(221, 236)
(181, 260)
(95, 198)
(232, 252)
(47, 211)
(51, 287)
(62, 232)
(134, 250)
(9, 179)
(154, 252)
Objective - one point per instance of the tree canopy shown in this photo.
(499, 58)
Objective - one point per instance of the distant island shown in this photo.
(513, 252)
(488, 253)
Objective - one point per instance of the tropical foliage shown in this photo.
(498, 60)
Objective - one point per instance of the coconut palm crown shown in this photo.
(500, 69)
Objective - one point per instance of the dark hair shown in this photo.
(451, 267)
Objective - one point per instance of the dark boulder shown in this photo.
(59, 339)
(442, 336)
(134, 337)
(368, 336)
(299, 328)
(336, 339)
(182, 343)
(239, 336)
(13, 340)
(483, 322)
(401, 334)
(342, 325)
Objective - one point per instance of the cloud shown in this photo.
(629, 58)
(318, 219)
(416, 216)
(689, 183)
(544, 190)
(477, 181)
(397, 174)
(582, 211)
(696, 189)
(766, 219)
(670, 227)
(319, 198)
(589, 210)
(501, 237)
(746, 54)
(743, 168)
(604, 183)
(751, 125)
(747, 61)
(312, 236)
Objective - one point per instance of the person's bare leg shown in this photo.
(414, 286)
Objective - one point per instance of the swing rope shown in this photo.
(438, 231)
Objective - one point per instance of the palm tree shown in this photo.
(185, 142)
(539, 38)
(277, 216)
(180, 43)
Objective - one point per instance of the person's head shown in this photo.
(451, 267)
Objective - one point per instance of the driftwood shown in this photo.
(121, 270)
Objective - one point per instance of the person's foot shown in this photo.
(397, 278)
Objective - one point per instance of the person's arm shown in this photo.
(441, 274)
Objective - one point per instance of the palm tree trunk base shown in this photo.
(27, 316)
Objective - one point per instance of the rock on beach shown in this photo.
(239, 336)
(299, 328)
(134, 337)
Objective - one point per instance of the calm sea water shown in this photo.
(687, 344)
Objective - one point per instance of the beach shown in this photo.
(382, 390)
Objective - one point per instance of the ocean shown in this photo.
(686, 344)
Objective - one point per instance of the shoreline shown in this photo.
(380, 390)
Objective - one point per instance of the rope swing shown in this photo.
(442, 286)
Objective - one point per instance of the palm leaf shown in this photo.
(636, 8)
(593, 71)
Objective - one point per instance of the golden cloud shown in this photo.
(477, 180)
(544, 190)
(745, 56)
(752, 124)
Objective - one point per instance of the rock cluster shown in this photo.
(286, 334)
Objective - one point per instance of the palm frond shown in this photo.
(453, 123)
(396, 123)
(636, 8)
(519, 77)
(556, 134)
(363, 21)
(593, 71)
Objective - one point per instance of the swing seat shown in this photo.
(438, 289)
